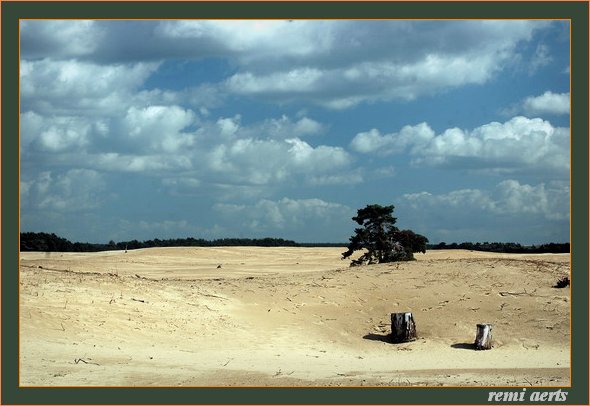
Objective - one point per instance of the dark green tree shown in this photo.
(382, 241)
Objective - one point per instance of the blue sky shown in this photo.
(212, 129)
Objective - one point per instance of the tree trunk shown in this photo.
(483, 338)
(403, 327)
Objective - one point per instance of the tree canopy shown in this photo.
(380, 238)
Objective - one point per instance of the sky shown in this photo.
(285, 128)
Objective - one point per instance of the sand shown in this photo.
(245, 316)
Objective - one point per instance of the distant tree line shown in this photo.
(46, 242)
(505, 247)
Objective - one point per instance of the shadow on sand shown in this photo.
(386, 338)
(464, 346)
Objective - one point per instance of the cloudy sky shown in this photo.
(212, 129)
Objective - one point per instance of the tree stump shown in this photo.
(403, 327)
(483, 338)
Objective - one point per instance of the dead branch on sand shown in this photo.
(77, 360)
(517, 293)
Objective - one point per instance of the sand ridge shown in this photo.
(253, 316)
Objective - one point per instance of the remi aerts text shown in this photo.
(523, 395)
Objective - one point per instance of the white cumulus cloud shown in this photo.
(282, 159)
(267, 215)
(547, 103)
(63, 38)
(336, 64)
(372, 141)
(159, 128)
(74, 87)
(72, 191)
(518, 143)
(509, 198)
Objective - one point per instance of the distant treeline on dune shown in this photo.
(46, 242)
(506, 247)
(50, 242)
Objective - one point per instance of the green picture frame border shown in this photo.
(11, 393)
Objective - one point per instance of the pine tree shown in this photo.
(380, 238)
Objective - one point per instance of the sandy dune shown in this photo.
(289, 317)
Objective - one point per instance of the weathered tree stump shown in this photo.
(403, 327)
(483, 338)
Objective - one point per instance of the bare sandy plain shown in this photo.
(289, 317)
